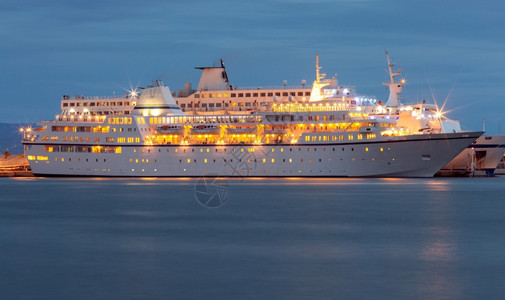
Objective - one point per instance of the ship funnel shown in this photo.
(213, 79)
(156, 100)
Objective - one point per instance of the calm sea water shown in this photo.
(272, 238)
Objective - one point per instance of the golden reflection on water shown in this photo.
(439, 248)
(438, 185)
(394, 180)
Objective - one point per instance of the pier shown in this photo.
(14, 166)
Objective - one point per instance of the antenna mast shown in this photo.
(319, 76)
(395, 88)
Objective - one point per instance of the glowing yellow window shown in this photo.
(189, 160)
(264, 160)
(205, 160)
(382, 149)
(273, 160)
(366, 149)
(290, 160)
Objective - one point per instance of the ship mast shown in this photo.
(395, 88)
(316, 95)
(319, 76)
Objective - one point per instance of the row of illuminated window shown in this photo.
(123, 140)
(219, 105)
(120, 120)
(80, 139)
(117, 149)
(82, 149)
(146, 160)
(89, 114)
(316, 118)
(238, 119)
(333, 138)
(42, 157)
(88, 139)
(205, 119)
(84, 104)
(121, 129)
(249, 160)
(38, 157)
(247, 95)
(244, 149)
(103, 129)
(81, 118)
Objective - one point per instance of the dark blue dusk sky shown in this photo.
(54, 47)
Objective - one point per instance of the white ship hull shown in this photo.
(404, 156)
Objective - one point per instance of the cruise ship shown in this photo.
(308, 132)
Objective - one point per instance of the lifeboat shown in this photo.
(275, 131)
(210, 112)
(240, 130)
(171, 129)
(205, 129)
